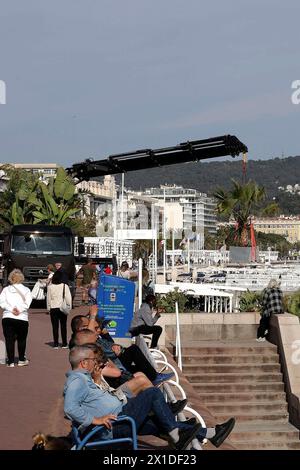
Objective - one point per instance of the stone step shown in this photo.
(233, 350)
(230, 368)
(239, 387)
(236, 407)
(253, 417)
(264, 432)
(231, 377)
(266, 445)
(254, 396)
(230, 359)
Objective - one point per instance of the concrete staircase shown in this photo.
(243, 379)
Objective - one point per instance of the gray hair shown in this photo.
(16, 277)
(78, 354)
(273, 284)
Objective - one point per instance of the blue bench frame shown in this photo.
(81, 443)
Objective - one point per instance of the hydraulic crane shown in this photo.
(149, 158)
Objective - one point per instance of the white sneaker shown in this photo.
(260, 339)
(11, 365)
(23, 363)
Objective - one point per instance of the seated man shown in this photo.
(85, 404)
(128, 389)
(114, 374)
(144, 322)
(131, 358)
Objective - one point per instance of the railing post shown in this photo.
(178, 339)
(140, 268)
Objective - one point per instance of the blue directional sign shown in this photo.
(115, 300)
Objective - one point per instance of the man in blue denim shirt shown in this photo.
(86, 404)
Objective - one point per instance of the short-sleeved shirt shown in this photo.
(88, 272)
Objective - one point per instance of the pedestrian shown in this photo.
(272, 303)
(15, 301)
(92, 291)
(107, 269)
(126, 273)
(56, 293)
(144, 322)
(88, 270)
(60, 271)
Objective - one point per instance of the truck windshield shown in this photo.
(41, 244)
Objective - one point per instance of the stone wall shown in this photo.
(209, 326)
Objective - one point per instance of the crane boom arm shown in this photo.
(147, 158)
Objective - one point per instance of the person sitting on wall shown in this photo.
(144, 322)
(272, 303)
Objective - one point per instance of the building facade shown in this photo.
(288, 227)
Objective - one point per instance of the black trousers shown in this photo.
(263, 326)
(134, 360)
(155, 331)
(58, 317)
(15, 330)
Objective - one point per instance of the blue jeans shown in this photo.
(152, 416)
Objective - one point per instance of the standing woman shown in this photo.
(56, 293)
(15, 301)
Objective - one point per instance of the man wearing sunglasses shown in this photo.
(86, 404)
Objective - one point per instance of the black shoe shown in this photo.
(191, 421)
(178, 406)
(186, 436)
(222, 431)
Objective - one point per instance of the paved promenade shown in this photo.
(31, 397)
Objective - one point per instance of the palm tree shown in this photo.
(238, 204)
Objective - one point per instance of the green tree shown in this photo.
(142, 249)
(238, 204)
(16, 199)
(28, 200)
(273, 241)
(271, 210)
(84, 227)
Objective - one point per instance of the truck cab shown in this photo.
(31, 248)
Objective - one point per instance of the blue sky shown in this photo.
(92, 78)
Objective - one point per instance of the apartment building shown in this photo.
(288, 227)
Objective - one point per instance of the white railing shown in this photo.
(152, 355)
(178, 338)
(216, 300)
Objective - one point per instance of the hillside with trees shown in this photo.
(207, 177)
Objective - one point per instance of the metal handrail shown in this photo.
(160, 354)
(178, 338)
(166, 387)
(169, 366)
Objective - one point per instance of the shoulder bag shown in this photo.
(65, 306)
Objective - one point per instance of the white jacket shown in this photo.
(10, 299)
(55, 295)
